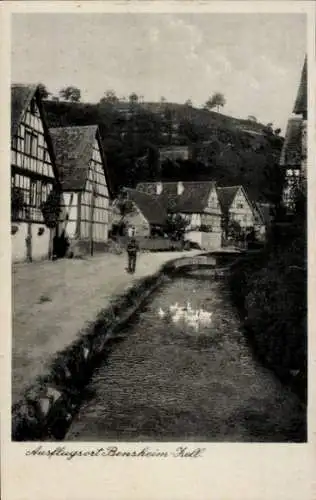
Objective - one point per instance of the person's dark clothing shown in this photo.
(132, 249)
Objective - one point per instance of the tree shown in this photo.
(234, 230)
(133, 98)
(217, 100)
(176, 226)
(188, 103)
(109, 98)
(43, 91)
(72, 94)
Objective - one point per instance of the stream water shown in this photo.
(169, 381)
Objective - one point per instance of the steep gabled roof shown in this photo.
(300, 106)
(193, 199)
(74, 149)
(21, 96)
(226, 196)
(291, 154)
(149, 205)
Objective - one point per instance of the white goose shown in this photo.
(178, 315)
(174, 307)
(161, 313)
(192, 318)
(205, 316)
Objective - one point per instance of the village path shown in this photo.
(53, 301)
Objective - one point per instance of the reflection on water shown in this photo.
(187, 378)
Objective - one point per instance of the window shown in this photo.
(240, 205)
(46, 156)
(30, 143)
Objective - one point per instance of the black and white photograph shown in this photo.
(159, 227)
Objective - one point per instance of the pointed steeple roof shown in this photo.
(300, 106)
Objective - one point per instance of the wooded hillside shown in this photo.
(225, 149)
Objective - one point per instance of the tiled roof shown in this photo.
(149, 205)
(21, 95)
(300, 106)
(226, 196)
(73, 149)
(291, 154)
(193, 199)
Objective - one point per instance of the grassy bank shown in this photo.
(270, 292)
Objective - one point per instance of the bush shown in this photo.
(270, 290)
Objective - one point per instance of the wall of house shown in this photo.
(211, 241)
(194, 221)
(95, 206)
(241, 212)
(212, 213)
(40, 244)
(194, 236)
(139, 222)
(70, 214)
(31, 165)
(134, 219)
(207, 241)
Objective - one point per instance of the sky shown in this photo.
(255, 60)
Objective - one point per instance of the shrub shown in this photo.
(270, 291)
(51, 208)
(17, 202)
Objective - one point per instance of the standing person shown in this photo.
(132, 249)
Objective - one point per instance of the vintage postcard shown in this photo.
(157, 272)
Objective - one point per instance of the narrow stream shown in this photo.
(169, 381)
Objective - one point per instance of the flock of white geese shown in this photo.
(192, 317)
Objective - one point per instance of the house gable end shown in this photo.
(30, 148)
(213, 203)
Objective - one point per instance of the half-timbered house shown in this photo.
(294, 152)
(237, 207)
(85, 184)
(33, 174)
(196, 202)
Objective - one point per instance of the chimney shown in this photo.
(158, 188)
(180, 188)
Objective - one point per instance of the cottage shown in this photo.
(197, 202)
(237, 207)
(33, 174)
(142, 214)
(85, 185)
(294, 153)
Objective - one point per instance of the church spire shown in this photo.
(300, 106)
